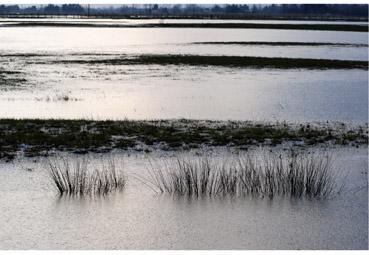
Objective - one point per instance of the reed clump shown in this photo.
(268, 175)
(79, 177)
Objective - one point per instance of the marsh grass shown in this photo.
(11, 78)
(44, 136)
(226, 61)
(79, 177)
(265, 175)
(267, 43)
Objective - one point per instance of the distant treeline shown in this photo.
(192, 10)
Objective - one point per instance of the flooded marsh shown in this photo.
(183, 134)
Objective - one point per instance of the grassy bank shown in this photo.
(323, 27)
(227, 61)
(39, 137)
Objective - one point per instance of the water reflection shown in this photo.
(138, 218)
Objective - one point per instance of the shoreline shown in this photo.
(315, 27)
(330, 18)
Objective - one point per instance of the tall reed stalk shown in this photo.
(79, 177)
(268, 175)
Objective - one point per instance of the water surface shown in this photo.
(156, 92)
(33, 217)
(178, 40)
(43, 89)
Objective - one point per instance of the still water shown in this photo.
(178, 40)
(101, 91)
(32, 216)
(141, 92)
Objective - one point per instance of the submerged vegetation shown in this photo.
(36, 137)
(228, 61)
(270, 175)
(80, 178)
